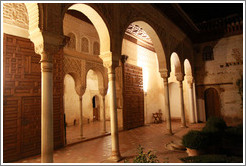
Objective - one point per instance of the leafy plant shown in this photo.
(215, 124)
(195, 140)
(240, 88)
(142, 157)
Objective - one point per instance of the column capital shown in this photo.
(179, 77)
(80, 90)
(109, 61)
(164, 73)
(124, 58)
(103, 91)
(47, 44)
(189, 80)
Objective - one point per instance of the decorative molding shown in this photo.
(139, 42)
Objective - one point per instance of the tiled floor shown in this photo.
(152, 137)
(93, 129)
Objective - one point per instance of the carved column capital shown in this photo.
(124, 58)
(189, 80)
(80, 90)
(103, 91)
(179, 76)
(164, 73)
(109, 61)
(47, 44)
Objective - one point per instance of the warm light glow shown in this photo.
(142, 62)
(145, 79)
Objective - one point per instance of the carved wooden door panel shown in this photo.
(21, 99)
(212, 104)
(133, 97)
(30, 126)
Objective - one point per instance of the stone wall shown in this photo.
(222, 74)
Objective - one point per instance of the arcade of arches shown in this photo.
(67, 66)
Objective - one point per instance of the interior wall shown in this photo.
(153, 83)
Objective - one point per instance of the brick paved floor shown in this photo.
(73, 132)
(152, 137)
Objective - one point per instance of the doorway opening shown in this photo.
(212, 103)
(96, 108)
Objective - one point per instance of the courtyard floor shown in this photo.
(152, 137)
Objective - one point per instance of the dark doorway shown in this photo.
(95, 104)
(212, 103)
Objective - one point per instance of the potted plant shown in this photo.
(195, 142)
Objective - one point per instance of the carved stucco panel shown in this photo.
(15, 14)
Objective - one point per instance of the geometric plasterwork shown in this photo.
(138, 32)
(15, 14)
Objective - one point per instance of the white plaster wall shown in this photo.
(174, 98)
(71, 101)
(214, 73)
(153, 83)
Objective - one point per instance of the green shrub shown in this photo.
(142, 157)
(212, 158)
(215, 125)
(195, 140)
(235, 131)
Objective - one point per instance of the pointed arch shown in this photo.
(187, 68)
(175, 63)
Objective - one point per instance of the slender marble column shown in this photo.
(47, 110)
(113, 114)
(183, 123)
(104, 116)
(191, 99)
(81, 115)
(167, 105)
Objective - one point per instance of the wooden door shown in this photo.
(95, 114)
(133, 97)
(21, 99)
(30, 126)
(212, 103)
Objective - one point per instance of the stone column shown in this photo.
(164, 75)
(47, 145)
(195, 104)
(104, 116)
(179, 77)
(103, 92)
(47, 44)
(80, 90)
(113, 114)
(191, 97)
(81, 116)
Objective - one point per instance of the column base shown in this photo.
(169, 132)
(115, 157)
(184, 126)
(105, 132)
(82, 137)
